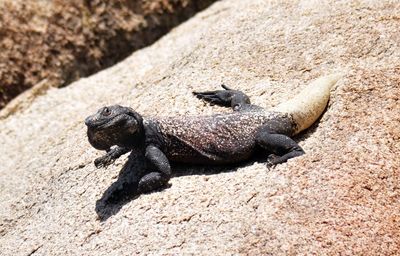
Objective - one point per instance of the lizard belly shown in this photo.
(210, 151)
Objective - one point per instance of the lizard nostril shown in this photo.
(88, 121)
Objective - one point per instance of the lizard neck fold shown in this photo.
(153, 134)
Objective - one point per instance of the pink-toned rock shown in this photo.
(341, 197)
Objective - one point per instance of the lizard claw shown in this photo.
(271, 161)
(270, 165)
(110, 156)
(218, 97)
(226, 87)
(103, 161)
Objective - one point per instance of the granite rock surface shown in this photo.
(341, 197)
(56, 42)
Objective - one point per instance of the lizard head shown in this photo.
(114, 125)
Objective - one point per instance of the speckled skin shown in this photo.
(154, 142)
(217, 139)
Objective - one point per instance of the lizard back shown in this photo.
(220, 138)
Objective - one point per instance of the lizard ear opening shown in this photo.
(135, 115)
(132, 125)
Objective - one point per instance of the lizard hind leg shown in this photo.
(237, 100)
(281, 147)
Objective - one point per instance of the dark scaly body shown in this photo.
(217, 139)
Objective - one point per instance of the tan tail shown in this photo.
(307, 106)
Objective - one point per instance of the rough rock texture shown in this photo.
(61, 41)
(341, 197)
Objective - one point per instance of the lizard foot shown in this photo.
(104, 161)
(272, 161)
(218, 97)
(237, 100)
(110, 156)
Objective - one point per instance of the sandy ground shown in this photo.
(341, 197)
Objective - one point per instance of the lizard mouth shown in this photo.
(94, 123)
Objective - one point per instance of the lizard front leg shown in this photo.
(127, 184)
(111, 155)
(158, 177)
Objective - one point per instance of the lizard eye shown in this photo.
(106, 111)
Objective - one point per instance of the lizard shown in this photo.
(155, 142)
